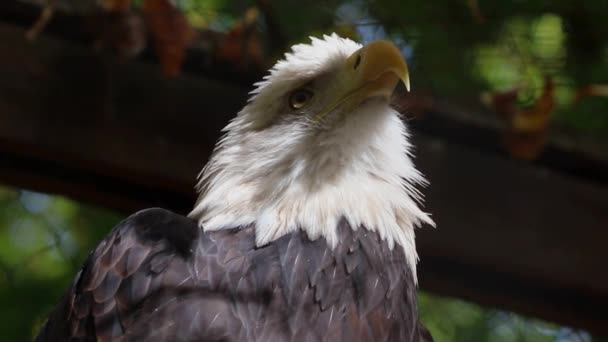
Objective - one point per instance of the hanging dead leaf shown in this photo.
(503, 103)
(526, 131)
(122, 32)
(476, 11)
(242, 45)
(171, 32)
(537, 117)
(115, 5)
(591, 90)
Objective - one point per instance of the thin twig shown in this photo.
(42, 21)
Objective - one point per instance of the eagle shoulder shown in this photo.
(157, 277)
(127, 266)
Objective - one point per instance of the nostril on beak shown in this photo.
(357, 61)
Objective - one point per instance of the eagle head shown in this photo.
(318, 142)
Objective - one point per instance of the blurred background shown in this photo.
(110, 106)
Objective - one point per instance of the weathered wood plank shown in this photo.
(510, 235)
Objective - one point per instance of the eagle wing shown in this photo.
(157, 277)
(142, 257)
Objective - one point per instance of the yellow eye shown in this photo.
(299, 98)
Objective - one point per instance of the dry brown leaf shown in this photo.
(171, 32)
(115, 5)
(504, 103)
(123, 32)
(476, 11)
(526, 131)
(537, 117)
(242, 45)
(591, 90)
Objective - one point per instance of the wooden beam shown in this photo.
(55, 94)
(510, 235)
(574, 155)
(514, 236)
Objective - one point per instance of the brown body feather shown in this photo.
(157, 277)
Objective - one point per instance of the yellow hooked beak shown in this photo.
(372, 71)
(379, 66)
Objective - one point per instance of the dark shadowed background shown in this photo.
(110, 106)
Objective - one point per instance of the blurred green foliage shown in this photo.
(45, 239)
(43, 242)
(451, 319)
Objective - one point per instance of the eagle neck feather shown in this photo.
(360, 171)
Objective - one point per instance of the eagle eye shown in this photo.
(299, 98)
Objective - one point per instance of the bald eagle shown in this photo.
(303, 229)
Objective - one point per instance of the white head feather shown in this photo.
(284, 174)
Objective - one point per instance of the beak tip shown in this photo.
(406, 82)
